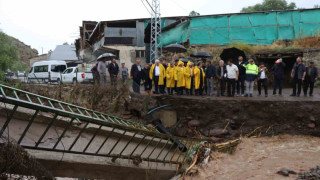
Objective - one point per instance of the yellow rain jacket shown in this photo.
(179, 75)
(187, 76)
(162, 73)
(170, 76)
(197, 77)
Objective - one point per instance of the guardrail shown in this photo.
(136, 139)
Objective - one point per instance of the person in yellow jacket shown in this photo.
(170, 78)
(157, 74)
(252, 72)
(179, 77)
(188, 74)
(199, 77)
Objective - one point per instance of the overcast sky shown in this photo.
(47, 23)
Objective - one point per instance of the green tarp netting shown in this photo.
(255, 28)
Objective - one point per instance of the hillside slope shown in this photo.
(25, 52)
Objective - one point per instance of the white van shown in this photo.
(47, 71)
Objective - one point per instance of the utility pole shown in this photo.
(155, 43)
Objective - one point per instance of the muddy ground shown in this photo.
(262, 158)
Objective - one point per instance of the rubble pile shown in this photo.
(313, 174)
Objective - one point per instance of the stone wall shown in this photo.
(312, 55)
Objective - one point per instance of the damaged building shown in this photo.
(128, 39)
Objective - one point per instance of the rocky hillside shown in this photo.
(25, 52)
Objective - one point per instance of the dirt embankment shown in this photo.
(228, 118)
(218, 118)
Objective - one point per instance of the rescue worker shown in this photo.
(199, 77)
(188, 74)
(170, 78)
(157, 74)
(252, 71)
(179, 77)
(165, 65)
(176, 61)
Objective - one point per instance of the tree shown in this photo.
(65, 43)
(8, 54)
(269, 5)
(194, 13)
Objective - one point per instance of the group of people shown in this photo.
(239, 79)
(187, 78)
(99, 72)
(174, 76)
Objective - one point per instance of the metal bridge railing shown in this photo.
(110, 136)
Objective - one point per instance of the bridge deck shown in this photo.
(45, 125)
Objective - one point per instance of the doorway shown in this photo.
(269, 63)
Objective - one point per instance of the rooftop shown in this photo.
(64, 52)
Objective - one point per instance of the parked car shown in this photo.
(20, 74)
(47, 71)
(74, 75)
(9, 73)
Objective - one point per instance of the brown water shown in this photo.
(261, 158)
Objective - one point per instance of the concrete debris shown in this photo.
(311, 125)
(312, 118)
(286, 172)
(194, 123)
(313, 174)
(218, 132)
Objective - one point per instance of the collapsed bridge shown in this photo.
(72, 141)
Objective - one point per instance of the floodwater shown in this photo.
(262, 158)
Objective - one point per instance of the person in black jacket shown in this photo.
(96, 76)
(222, 78)
(297, 73)
(242, 76)
(310, 77)
(210, 75)
(135, 75)
(146, 79)
(113, 69)
(278, 72)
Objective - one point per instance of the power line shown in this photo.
(145, 7)
(151, 6)
(181, 7)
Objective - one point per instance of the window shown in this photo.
(58, 68)
(31, 70)
(41, 68)
(140, 53)
(67, 71)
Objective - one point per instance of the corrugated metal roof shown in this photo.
(64, 52)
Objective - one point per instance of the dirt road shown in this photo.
(261, 158)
